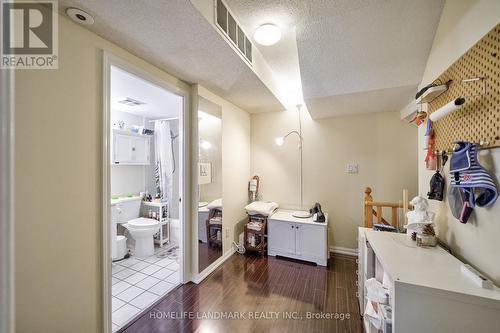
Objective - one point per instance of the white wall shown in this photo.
(58, 157)
(381, 144)
(462, 24)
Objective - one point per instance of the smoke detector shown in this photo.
(79, 16)
(131, 102)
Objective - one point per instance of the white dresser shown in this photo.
(298, 238)
(428, 292)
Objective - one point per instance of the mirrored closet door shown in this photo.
(210, 209)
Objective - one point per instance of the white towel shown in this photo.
(254, 226)
(261, 208)
(217, 203)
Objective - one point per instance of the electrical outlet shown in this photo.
(352, 168)
(227, 232)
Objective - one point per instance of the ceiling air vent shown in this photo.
(131, 102)
(232, 30)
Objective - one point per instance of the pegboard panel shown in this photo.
(479, 118)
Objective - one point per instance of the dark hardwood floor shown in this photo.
(207, 255)
(264, 288)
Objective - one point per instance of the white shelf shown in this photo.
(430, 94)
(154, 204)
(125, 132)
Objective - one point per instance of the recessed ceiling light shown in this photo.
(80, 16)
(267, 34)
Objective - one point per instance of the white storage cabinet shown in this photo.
(297, 238)
(130, 148)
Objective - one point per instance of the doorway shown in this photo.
(143, 175)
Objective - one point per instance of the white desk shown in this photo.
(429, 292)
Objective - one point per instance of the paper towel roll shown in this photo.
(447, 109)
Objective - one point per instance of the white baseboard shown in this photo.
(344, 250)
(200, 277)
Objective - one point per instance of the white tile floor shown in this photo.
(137, 283)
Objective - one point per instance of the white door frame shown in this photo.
(7, 201)
(184, 163)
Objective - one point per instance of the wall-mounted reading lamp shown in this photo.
(280, 141)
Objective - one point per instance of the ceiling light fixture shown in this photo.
(80, 16)
(206, 145)
(131, 102)
(267, 34)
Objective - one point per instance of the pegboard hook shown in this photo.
(482, 79)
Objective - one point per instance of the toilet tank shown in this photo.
(130, 208)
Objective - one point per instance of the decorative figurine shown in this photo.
(419, 219)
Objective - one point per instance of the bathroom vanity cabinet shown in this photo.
(298, 238)
(427, 290)
(130, 148)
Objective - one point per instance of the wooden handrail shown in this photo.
(370, 212)
(384, 204)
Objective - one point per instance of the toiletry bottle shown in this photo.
(219, 236)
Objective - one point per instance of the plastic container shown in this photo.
(426, 240)
(121, 247)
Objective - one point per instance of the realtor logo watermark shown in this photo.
(29, 34)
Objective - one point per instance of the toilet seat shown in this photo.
(143, 223)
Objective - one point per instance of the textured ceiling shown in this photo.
(174, 36)
(352, 53)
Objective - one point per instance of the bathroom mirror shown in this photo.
(210, 209)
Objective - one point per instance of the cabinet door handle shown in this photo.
(293, 227)
(133, 148)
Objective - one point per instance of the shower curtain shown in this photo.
(163, 156)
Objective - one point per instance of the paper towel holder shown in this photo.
(459, 101)
(448, 108)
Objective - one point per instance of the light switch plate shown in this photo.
(352, 168)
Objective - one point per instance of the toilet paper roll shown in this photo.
(447, 109)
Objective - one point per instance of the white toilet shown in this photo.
(141, 229)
